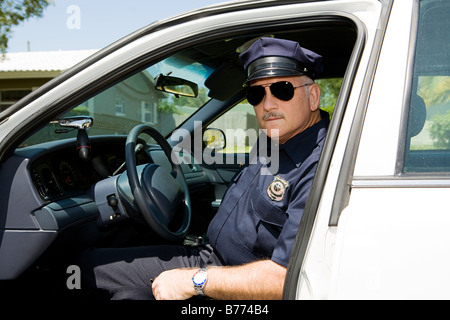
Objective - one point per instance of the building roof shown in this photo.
(40, 62)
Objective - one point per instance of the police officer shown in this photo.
(251, 237)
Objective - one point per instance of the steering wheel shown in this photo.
(160, 196)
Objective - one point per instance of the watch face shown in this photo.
(199, 278)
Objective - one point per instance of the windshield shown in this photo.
(135, 100)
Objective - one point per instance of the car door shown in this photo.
(239, 130)
(382, 233)
(235, 118)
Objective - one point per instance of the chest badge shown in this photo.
(277, 188)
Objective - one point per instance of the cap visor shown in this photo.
(272, 73)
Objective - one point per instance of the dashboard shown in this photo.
(58, 172)
(50, 193)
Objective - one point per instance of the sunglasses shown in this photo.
(283, 90)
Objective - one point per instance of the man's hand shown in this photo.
(262, 279)
(174, 284)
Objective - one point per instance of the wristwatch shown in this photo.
(199, 279)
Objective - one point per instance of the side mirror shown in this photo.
(214, 139)
(176, 86)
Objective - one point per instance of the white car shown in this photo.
(377, 221)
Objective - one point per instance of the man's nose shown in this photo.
(269, 102)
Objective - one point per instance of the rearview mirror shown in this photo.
(176, 86)
(75, 122)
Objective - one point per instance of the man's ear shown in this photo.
(314, 97)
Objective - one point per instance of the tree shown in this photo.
(434, 90)
(13, 12)
(440, 130)
(329, 89)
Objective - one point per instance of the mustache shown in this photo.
(273, 114)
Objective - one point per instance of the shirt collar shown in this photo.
(299, 147)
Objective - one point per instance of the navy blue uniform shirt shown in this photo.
(260, 214)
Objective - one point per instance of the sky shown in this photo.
(93, 24)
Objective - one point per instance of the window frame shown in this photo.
(407, 97)
(341, 194)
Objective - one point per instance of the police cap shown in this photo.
(271, 57)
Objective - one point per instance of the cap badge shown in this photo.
(277, 188)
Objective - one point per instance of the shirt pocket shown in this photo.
(259, 232)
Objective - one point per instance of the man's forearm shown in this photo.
(257, 280)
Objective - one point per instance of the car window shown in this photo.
(428, 133)
(215, 72)
(240, 128)
(240, 125)
(136, 100)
